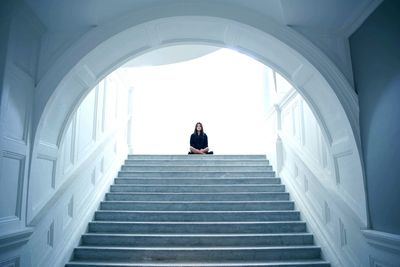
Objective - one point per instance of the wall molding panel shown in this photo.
(310, 171)
(17, 107)
(319, 179)
(41, 192)
(21, 34)
(315, 214)
(14, 262)
(384, 242)
(85, 212)
(84, 165)
(47, 151)
(15, 239)
(18, 174)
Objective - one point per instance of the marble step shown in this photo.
(196, 205)
(198, 157)
(150, 240)
(197, 216)
(197, 210)
(173, 188)
(225, 196)
(199, 180)
(195, 174)
(196, 162)
(183, 168)
(282, 263)
(196, 227)
(165, 254)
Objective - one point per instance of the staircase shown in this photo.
(197, 210)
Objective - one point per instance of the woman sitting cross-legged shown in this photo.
(199, 141)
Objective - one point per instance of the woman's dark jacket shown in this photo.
(199, 141)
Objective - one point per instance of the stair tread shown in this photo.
(199, 158)
(196, 165)
(201, 185)
(197, 178)
(197, 193)
(163, 232)
(202, 248)
(199, 201)
(196, 222)
(204, 264)
(198, 235)
(150, 156)
(194, 211)
(196, 171)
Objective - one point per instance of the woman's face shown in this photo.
(198, 127)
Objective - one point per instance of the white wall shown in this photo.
(326, 195)
(67, 180)
(376, 64)
(20, 33)
(66, 190)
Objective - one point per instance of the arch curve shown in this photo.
(108, 46)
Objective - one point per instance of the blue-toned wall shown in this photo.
(375, 52)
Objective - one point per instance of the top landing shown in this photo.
(216, 157)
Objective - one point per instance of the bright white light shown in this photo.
(224, 90)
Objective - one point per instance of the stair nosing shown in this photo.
(198, 165)
(198, 264)
(196, 193)
(194, 211)
(198, 201)
(195, 171)
(203, 185)
(198, 235)
(201, 248)
(201, 222)
(197, 178)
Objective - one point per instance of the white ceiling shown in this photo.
(317, 15)
(321, 17)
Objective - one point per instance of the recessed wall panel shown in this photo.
(297, 123)
(85, 189)
(108, 156)
(110, 99)
(85, 123)
(68, 213)
(287, 120)
(16, 112)
(100, 107)
(67, 149)
(11, 181)
(345, 180)
(44, 184)
(311, 131)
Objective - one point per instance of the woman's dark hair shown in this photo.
(195, 128)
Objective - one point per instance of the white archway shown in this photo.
(106, 47)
